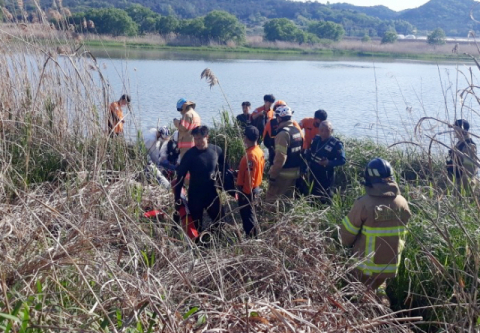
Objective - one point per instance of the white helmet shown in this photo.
(283, 111)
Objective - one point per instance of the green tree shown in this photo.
(436, 37)
(383, 28)
(194, 28)
(390, 37)
(149, 25)
(282, 29)
(327, 30)
(166, 24)
(222, 27)
(139, 13)
(404, 27)
(366, 39)
(112, 21)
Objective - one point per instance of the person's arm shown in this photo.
(281, 148)
(302, 124)
(242, 171)
(186, 123)
(256, 113)
(339, 156)
(163, 151)
(267, 139)
(182, 170)
(352, 223)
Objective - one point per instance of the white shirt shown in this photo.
(153, 145)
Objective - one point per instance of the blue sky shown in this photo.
(392, 4)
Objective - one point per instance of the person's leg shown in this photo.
(245, 202)
(196, 207)
(215, 211)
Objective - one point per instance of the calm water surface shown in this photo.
(371, 98)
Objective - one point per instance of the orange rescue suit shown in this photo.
(250, 173)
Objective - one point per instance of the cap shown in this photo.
(251, 133)
(180, 103)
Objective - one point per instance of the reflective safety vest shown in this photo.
(294, 151)
(376, 227)
(189, 121)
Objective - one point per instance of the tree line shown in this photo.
(218, 26)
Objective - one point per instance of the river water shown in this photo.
(367, 97)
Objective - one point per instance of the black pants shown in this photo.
(211, 203)
(245, 202)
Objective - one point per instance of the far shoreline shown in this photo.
(401, 51)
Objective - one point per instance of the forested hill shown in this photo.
(453, 16)
(381, 12)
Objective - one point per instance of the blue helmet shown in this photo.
(377, 171)
(164, 132)
(180, 103)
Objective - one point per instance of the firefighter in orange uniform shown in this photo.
(310, 126)
(115, 117)
(190, 120)
(263, 114)
(250, 175)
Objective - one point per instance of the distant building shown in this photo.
(410, 37)
(400, 36)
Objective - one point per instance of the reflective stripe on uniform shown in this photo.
(349, 226)
(187, 144)
(389, 231)
(289, 173)
(369, 268)
(281, 149)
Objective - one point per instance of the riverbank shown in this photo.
(255, 45)
(418, 50)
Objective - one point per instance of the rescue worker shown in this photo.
(172, 152)
(244, 119)
(376, 226)
(325, 154)
(155, 140)
(270, 132)
(286, 165)
(190, 120)
(203, 162)
(249, 178)
(115, 117)
(462, 160)
(263, 114)
(310, 126)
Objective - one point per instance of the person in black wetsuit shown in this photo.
(203, 162)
